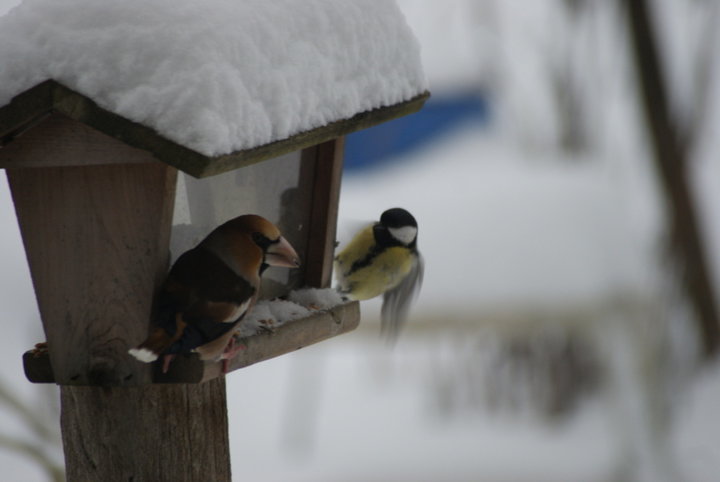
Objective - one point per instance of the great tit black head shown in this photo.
(397, 227)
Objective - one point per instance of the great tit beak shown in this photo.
(281, 253)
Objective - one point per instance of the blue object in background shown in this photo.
(440, 115)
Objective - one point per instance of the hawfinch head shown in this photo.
(276, 249)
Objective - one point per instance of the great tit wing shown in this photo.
(397, 301)
(347, 229)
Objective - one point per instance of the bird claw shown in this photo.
(230, 352)
(40, 349)
(167, 359)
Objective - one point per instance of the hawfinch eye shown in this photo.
(261, 240)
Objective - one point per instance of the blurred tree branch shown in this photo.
(55, 472)
(704, 72)
(670, 156)
(41, 427)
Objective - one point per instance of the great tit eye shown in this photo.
(261, 240)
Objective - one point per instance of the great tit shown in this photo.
(211, 287)
(383, 259)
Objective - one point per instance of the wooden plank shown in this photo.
(150, 433)
(290, 337)
(50, 96)
(37, 367)
(96, 239)
(323, 223)
(309, 138)
(57, 140)
(287, 338)
(24, 111)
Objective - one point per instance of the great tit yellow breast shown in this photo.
(363, 275)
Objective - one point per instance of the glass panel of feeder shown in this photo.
(278, 189)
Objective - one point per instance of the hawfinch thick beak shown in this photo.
(282, 253)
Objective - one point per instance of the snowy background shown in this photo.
(549, 343)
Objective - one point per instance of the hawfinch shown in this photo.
(211, 287)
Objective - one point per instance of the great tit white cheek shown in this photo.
(405, 235)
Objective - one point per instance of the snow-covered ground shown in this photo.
(351, 410)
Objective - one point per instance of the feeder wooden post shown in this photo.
(173, 432)
(96, 236)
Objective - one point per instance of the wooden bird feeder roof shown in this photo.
(34, 105)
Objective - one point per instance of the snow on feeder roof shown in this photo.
(210, 85)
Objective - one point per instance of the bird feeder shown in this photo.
(103, 203)
(107, 191)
